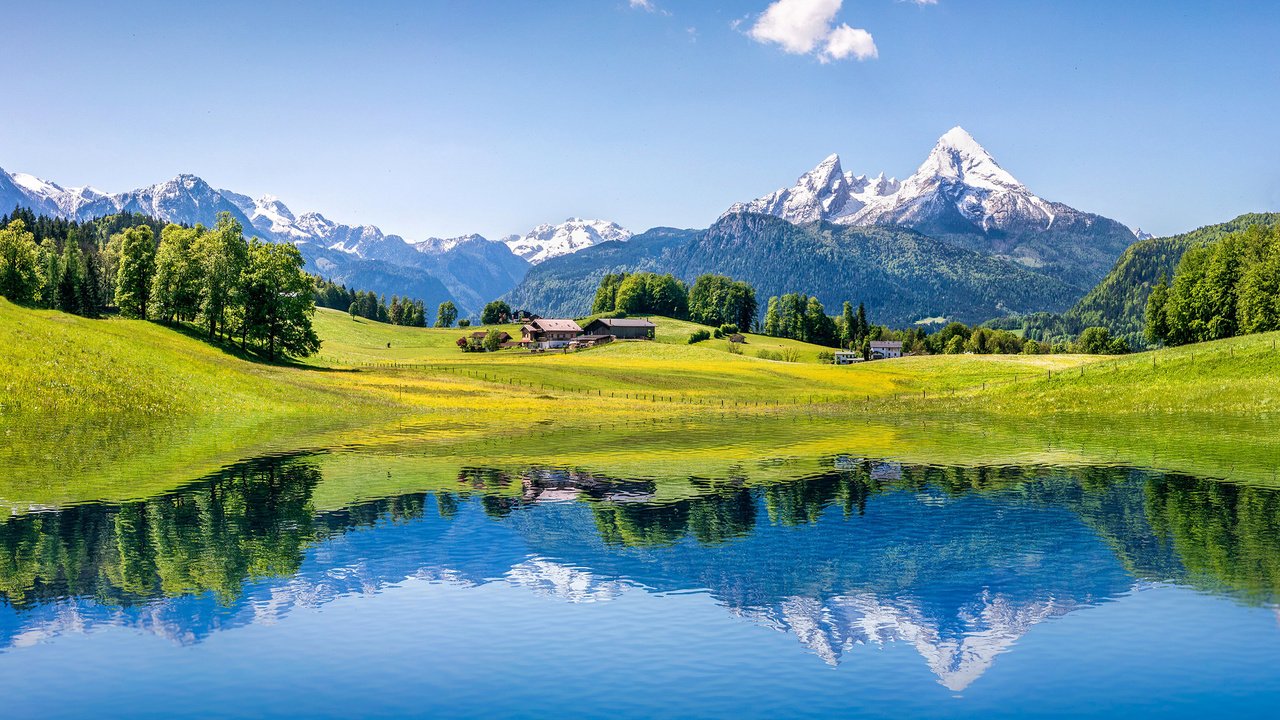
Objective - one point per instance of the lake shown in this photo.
(383, 584)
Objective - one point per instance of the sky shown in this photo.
(445, 118)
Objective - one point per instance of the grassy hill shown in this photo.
(116, 409)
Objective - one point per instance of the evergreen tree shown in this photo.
(137, 266)
(70, 292)
(606, 298)
(849, 327)
(397, 312)
(1157, 328)
(772, 318)
(863, 327)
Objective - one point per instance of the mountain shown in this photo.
(962, 195)
(901, 275)
(547, 241)
(468, 271)
(565, 285)
(1119, 300)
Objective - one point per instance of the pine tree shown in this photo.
(850, 325)
(70, 293)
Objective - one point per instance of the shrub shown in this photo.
(464, 323)
(768, 355)
(698, 336)
(826, 356)
(790, 355)
(734, 348)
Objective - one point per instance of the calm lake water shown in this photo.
(863, 588)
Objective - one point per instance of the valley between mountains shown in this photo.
(959, 239)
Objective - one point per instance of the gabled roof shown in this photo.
(624, 322)
(886, 343)
(555, 325)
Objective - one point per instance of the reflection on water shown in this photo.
(959, 564)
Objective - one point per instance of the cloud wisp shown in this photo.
(808, 27)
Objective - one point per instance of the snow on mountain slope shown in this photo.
(959, 174)
(824, 193)
(547, 241)
(962, 195)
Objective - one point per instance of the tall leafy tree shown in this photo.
(278, 300)
(223, 256)
(176, 287)
(446, 314)
(19, 263)
(499, 312)
(137, 266)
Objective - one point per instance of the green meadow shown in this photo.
(115, 409)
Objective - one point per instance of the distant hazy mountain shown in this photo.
(959, 194)
(902, 276)
(547, 241)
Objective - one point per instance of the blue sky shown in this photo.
(439, 118)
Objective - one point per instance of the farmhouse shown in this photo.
(847, 357)
(549, 333)
(885, 349)
(622, 328)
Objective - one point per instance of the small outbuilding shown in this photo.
(622, 328)
(737, 338)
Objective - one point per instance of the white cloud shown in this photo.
(847, 41)
(646, 5)
(801, 27)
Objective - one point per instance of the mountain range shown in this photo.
(469, 270)
(960, 238)
(959, 194)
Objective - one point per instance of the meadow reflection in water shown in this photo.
(957, 563)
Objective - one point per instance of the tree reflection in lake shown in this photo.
(957, 562)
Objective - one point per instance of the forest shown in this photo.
(1227, 288)
(236, 290)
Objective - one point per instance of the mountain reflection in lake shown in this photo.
(958, 565)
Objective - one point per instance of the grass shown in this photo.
(115, 409)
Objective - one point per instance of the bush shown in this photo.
(826, 356)
(698, 336)
(768, 355)
(790, 355)
(728, 329)
(464, 323)
(493, 340)
(734, 348)
(1031, 347)
(717, 333)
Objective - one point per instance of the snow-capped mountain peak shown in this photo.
(959, 158)
(547, 241)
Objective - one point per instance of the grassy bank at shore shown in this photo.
(114, 409)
